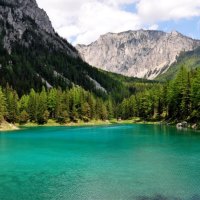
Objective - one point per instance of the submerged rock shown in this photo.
(194, 126)
(183, 124)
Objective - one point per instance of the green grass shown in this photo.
(5, 126)
(135, 120)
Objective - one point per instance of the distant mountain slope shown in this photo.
(32, 55)
(189, 60)
(21, 19)
(143, 54)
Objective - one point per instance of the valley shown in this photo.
(114, 118)
(43, 77)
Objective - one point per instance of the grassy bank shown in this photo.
(8, 127)
(54, 123)
(90, 123)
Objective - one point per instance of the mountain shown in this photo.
(20, 19)
(190, 60)
(33, 55)
(142, 53)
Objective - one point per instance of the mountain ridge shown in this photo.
(189, 60)
(17, 17)
(33, 55)
(142, 53)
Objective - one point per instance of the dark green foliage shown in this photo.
(32, 105)
(43, 64)
(177, 100)
(12, 105)
(189, 60)
(42, 113)
(2, 105)
(27, 68)
(62, 106)
(62, 87)
(23, 117)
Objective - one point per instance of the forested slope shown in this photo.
(190, 60)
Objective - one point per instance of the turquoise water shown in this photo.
(128, 162)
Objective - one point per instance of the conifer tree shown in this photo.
(23, 117)
(2, 105)
(42, 115)
(12, 106)
(51, 102)
(33, 106)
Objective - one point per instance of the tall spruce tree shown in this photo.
(2, 105)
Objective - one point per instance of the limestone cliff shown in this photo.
(143, 53)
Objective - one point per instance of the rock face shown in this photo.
(142, 54)
(21, 17)
(33, 55)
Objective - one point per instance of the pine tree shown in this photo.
(179, 95)
(42, 116)
(12, 105)
(110, 108)
(195, 96)
(23, 117)
(74, 114)
(51, 102)
(2, 105)
(23, 103)
(92, 104)
(65, 107)
(33, 105)
(85, 112)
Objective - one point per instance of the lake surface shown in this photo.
(121, 162)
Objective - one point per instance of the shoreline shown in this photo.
(5, 126)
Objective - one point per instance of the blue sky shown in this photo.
(83, 21)
(189, 27)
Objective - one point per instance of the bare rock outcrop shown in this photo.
(143, 53)
(22, 20)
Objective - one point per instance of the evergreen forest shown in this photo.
(171, 101)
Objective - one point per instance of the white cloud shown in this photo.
(153, 27)
(163, 10)
(97, 18)
(83, 21)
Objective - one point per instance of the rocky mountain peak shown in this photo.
(17, 3)
(175, 33)
(16, 10)
(142, 53)
(21, 20)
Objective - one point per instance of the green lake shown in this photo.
(117, 162)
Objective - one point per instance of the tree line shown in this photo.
(63, 106)
(43, 63)
(176, 100)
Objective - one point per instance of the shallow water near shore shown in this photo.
(115, 162)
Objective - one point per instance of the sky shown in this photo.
(83, 21)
